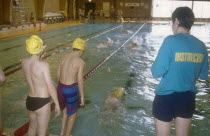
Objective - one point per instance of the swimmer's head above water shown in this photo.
(119, 92)
(126, 32)
(109, 42)
(34, 45)
(134, 44)
(113, 100)
(79, 44)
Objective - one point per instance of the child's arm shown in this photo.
(81, 83)
(51, 88)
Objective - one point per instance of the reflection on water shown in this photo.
(128, 68)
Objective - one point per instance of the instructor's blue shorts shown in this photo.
(178, 104)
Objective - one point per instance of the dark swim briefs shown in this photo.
(178, 104)
(68, 97)
(35, 103)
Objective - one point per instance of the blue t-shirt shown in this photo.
(181, 60)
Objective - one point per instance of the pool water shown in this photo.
(128, 68)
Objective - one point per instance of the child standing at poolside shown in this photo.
(71, 84)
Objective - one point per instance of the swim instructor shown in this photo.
(181, 60)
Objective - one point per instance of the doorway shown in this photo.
(89, 6)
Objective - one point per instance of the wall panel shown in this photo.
(52, 5)
(140, 8)
(135, 8)
(5, 12)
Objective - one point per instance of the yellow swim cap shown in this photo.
(34, 45)
(79, 44)
(118, 92)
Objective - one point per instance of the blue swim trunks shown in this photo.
(177, 104)
(68, 97)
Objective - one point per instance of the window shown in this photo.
(164, 8)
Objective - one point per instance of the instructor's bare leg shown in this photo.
(162, 128)
(182, 126)
(70, 124)
(63, 124)
(43, 117)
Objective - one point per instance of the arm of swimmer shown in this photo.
(81, 83)
(2, 76)
(51, 88)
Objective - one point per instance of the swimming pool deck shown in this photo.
(10, 132)
(10, 31)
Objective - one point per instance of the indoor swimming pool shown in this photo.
(129, 68)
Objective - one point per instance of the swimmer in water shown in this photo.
(106, 44)
(113, 101)
(134, 44)
(127, 32)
